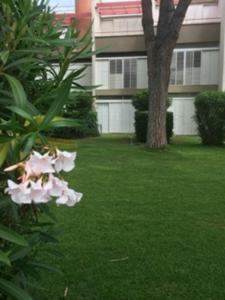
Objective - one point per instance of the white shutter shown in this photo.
(142, 76)
(103, 117)
(209, 67)
(102, 74)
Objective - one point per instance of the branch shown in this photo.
(147, 21)
(166, 13)
(178, 18)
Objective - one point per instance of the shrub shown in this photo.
(140, 101)
(169, 125)
(210, 116)
(141, 125)
(80, 108)
(87, 127)
(31, 42)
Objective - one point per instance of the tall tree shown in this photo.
(159, 46)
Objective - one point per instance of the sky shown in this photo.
(70, 4)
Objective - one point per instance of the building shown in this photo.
(121, 69)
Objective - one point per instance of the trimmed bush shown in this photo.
(141, 125)
(79, 108)
(210, 117)
(140, 101)
(169, 125)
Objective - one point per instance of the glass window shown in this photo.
(180, 68)
(197, 59)
(130, 73)
(116, 66)
(186, 67)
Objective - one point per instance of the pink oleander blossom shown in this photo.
(37, 184)
(39, 164)
(20, 193)
(57, 186)
(38, 193)
(64, 161)
(69, 197)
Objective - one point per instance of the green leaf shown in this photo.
(63, 122)
(57, 105)
(11, 236)
(13, 290)
(19, 95)
(19, 253)
(22, 61)
(4, 258)
(30, 142)
(5, 139)
(22, 113)
(46, 267)
(3, 152)
(4, 56)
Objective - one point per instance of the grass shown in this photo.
(151, 225)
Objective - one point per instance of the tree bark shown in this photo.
(159, 47)
(159, 74)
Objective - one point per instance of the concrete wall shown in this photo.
(190, 34)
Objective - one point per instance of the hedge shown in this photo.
(79, 108)
(210, 117)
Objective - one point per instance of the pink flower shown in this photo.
(64, 161)
(38, 193)
(39, 164)
(14, 167)
(20, 193)
(69, 197)
(56, 186)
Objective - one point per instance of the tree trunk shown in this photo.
(159, 74)
(159, 45)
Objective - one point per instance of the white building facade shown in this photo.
(120, 70)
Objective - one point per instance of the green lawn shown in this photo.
(151, 225)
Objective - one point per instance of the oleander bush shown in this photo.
(210, 117)
(32, 95)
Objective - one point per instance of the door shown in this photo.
(115, 116)
(184, 113)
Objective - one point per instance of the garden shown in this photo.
(90, 217)
(150, 225)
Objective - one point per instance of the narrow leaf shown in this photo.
(57, 105)
(46, 267)
(63, 122)
(3, 152)
(22, 113)
(11, 236)
(14, 290)
(4, 56)
(19, 95)
(4, 258)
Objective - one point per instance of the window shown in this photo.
(197, 59)
(180, 68)
(130, 73)
(116, 74)
(186, 67)
(123, 73)
(116, 66)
